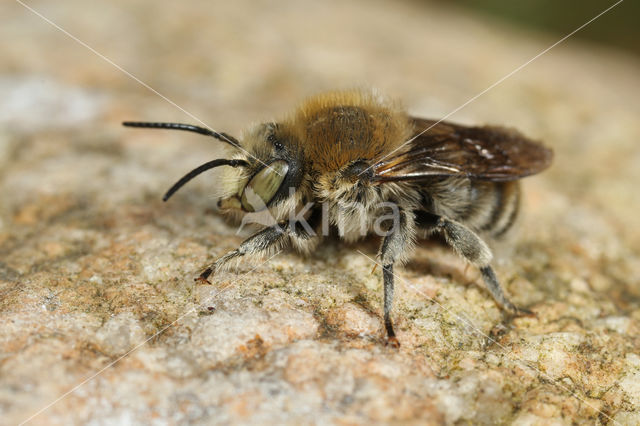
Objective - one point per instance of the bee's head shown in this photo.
(265, 168)
(272, 173)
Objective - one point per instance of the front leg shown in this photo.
(276, 236)
(394, 247)
(260, 242)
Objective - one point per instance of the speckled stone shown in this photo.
(102, 322)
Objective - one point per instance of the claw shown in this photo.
(204, 275)
(521, 312)
(393, 342)
(202, 280)
(517, 312)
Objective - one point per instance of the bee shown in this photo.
(356, 162)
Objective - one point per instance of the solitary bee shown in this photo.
(345, 160)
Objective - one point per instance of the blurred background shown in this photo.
(235, 57)
(617, 29)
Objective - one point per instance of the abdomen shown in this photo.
(489, 207)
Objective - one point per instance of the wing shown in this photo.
(446, 149)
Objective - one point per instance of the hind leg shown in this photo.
(472, 248)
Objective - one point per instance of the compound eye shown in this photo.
(263, 186)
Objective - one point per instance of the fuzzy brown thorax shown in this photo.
(337, 128)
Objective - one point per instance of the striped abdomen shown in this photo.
(488, 207)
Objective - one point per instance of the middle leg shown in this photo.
(394, 247)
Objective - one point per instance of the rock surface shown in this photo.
(103, 324)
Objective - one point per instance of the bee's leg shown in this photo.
(277, 235)
(470, 246)
(387, 276)
(257, 243)
(394, 247)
